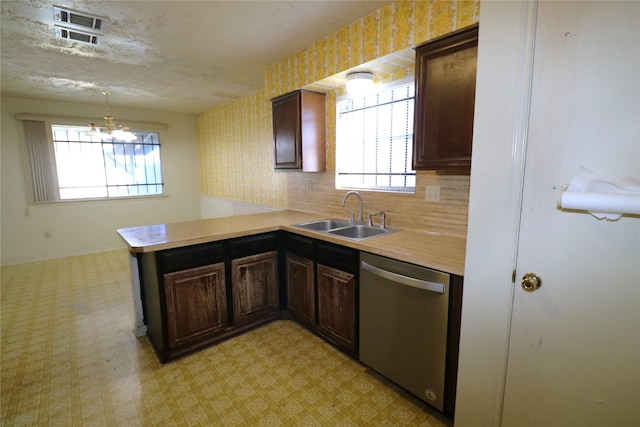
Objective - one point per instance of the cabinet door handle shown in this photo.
(404, 280)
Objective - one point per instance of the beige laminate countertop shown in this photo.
(434, 250)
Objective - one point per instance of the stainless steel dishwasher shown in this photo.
(403, 325)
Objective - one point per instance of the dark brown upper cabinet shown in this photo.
(445, 98)
(299, 131)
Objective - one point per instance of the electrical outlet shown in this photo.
(309, 185)
(432, 194)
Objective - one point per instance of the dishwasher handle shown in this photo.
(404, 280)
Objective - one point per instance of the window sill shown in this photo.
(101, 199)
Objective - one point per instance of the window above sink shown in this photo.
(374, 139)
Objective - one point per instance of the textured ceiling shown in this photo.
(183, 56)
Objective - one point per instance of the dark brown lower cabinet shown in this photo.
(254, 284)
(322, 285)
(300, 288)
(196, 295)
(453, 343)
(337, 306)
(196, 304)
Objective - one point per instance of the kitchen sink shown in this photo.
(343, 228)
(359, 231)
(323, 224)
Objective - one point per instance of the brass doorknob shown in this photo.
(531, 282)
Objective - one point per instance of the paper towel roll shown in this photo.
(615, 203)
(602, 199)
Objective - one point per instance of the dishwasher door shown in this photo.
(403, 325)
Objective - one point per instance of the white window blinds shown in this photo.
(42, 162)
(374, 141)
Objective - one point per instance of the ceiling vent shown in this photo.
(78, 26)
(79, 20)
(78, 36)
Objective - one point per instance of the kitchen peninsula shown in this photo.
(420, 247)
(180, 240)
(424, 248)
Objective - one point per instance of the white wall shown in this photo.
(611, 141)
(493, 211)
(216, 207)
(85, 227)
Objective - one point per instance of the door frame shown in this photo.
(503, 95)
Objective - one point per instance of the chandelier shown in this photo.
(111, 130)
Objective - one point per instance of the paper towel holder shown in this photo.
(601, 205)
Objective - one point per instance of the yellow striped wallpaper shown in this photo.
(393, 28)
(235, 152)
(235, 140)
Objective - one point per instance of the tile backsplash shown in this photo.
(317, 193)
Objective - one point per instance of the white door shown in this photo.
(574, 351)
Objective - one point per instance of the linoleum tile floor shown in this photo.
(70, 358)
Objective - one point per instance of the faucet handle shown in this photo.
(351, 219)
(382, 218)
(370, 218)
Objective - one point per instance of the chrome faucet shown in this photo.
(359, 203)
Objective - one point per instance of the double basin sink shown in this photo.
(346, 229)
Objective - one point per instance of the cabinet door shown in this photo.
(196, 304)
(254, 284)
(300, 288)
(286, 132)
(299, 131)
(445, 98)
(336, 306)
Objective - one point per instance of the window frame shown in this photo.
(49, 122)
(389, 189)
